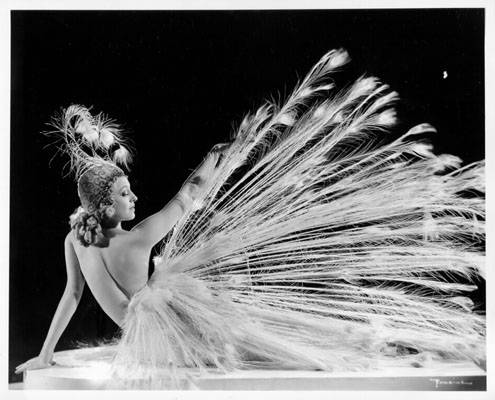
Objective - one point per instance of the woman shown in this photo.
(328, 251)
(113, 261)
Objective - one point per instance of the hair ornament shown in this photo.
(121, 156)
(106, 137)
(96, 148)
(89, 140)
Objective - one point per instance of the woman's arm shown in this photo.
(66, 307)
(154, 228)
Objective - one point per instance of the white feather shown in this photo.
(106, 137)
(91, 134)
(122, 156)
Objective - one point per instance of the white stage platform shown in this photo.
(85, 369)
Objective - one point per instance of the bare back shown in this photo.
(114, 273)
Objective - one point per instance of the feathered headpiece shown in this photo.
(89, 140)
(96, 148)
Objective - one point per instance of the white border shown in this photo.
(237, 5)
(9, 5)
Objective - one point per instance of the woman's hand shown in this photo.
(197, 183)
(220, 148)
(35, 363)
(203, 172)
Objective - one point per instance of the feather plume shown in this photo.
(88, 140)
(106, 137)
(122, 156)
(330, 247)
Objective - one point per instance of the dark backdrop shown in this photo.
(179, 82)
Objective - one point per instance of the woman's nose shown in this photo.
(134, 197)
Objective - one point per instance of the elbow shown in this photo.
(124, 305)
(119, 316)
(74, 294)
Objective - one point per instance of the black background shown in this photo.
(180, 81)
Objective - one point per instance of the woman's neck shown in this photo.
(113, 226)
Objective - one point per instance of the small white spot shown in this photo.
(445, 75)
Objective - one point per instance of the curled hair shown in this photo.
(88, 228)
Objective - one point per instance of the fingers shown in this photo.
(33, 364)
(21, 368)
(218, 152)
(210, 162)
(220, 147)
(212, 156)
(23, 364)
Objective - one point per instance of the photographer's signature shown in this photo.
(441, 382)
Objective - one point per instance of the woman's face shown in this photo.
(123, 199)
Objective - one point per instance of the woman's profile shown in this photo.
(306, 243)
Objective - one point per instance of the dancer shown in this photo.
(310, 243)
(115, 272)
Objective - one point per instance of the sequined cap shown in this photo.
(95, 184)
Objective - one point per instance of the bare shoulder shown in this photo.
(71, 243)
(132, 239)
(121, 240)
(69, 238)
